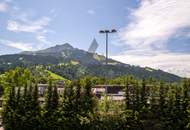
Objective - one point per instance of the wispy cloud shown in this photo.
(28, 26)
(3, 7)
(176, 63)
(155, 21)
(147, 34)
(19, 45)
(42, 39)
(22, 21)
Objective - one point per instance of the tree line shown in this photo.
(148, 105)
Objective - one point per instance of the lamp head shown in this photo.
(113, 30)
(107, 31)
(101, 31)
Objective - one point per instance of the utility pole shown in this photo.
(107, 32)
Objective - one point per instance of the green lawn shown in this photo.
(55, 76)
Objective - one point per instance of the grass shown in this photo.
(55, 76)
(98, 57)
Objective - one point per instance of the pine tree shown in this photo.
(48, 98)
(88, 100)
(48, 107)
(11, 102)
(36, 112)
(127, 100)
(143, 94)
(77, 99)
(137, 96)
(177, 115)
(8, 111)
(69, 117)
(55, 99)
(17, 117)
(185, 100)
(143, 101)
(154, 101)
(170, 107)
(161, 100)
(163, 111)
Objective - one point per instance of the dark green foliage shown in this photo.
(51, 107)
(87, 97)
(68, 109)
(127, 100)
(21, 109)
(149, 105)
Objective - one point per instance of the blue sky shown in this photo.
(154, 33)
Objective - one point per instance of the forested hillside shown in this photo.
(73, 63)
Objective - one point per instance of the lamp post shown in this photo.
(107, 32)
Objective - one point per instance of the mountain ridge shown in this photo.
(72, 63)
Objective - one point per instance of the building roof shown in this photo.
(107, 85)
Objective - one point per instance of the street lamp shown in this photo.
(107, 32)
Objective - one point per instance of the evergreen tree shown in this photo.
(153, 101)
(143, 100)
(137, 97)
(177, 112)
(36, 111)
(55, 99)
(48, 99)
(143, 93)
(12, 102)
(78, 97)
(161, 100)
(88, 100)
(8, 111)
(17, 110)
(48, 108)
(70, 118)
(55, 108)
(127, 100)
(185, 100)
(151, 105)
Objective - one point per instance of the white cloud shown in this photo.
(42, 39)
(155, 21)
(19, 45)
(147, 34)
(3, 7)
(92, 12)
(176, 63)
(23, 22)
(28, 26)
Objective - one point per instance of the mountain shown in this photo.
(67, 53)
(72, 63)
(55, 51)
